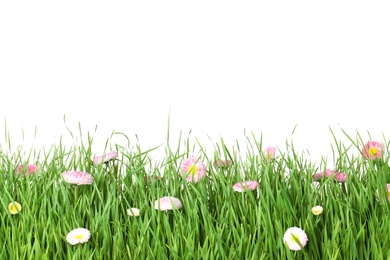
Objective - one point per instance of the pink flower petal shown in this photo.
(372, 150)
(245, 185)
(167, 203)
(318, 176)
(269, 152)
(338, 176)
(26, 169)
(79, 178)
(222, 163)
(193, 169)
(388, 191)
(105, 158)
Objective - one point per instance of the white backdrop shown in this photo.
(216, 67)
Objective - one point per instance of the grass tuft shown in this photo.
(215, 222)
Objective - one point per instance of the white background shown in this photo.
(215, 67)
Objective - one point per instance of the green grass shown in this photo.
(214, 223)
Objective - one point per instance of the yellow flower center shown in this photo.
(316, 211)
(193, 169)
(294, 239)
(372, 151)
(79, 236)
(388, 193)
(14, 207)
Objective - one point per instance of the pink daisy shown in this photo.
(105, 158)
(318, 176)
(338, 176)
(193, 169)
(245, 185)
(222, 163)
(372, 150)
(388, 191)
(79, 178)
(270, 152)
(167, 203)
(341, 177)
(26, 169)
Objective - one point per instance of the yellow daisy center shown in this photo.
(373, 151)
(79, 236)
(193, 169)
(14, 208)
(388, 193)
(294, 238)
(316, 211)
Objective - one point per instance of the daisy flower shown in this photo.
(388, 191)
(270, 152)
(78, 235)
(193, 169)
(338, 176)
(318, 176)
(317, 210)
(134, 212)
(295, 238)
(105, 158)
(245, 185)
(167, 203)
(222, 163)
(372, 150)
(14, 207)
(26, 169)
(79, 178)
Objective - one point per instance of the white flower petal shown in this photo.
(292, 236)
(78, 235)
(133, 212)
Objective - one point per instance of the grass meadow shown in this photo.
(214, 220)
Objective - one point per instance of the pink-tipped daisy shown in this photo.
(245, 185)
(167, 203)
(222, 163)
(318, 176)
(78, 236)
(269, 152)
(338, 176)
(28, 169)
(105, 158)
(388, 191)
(372, 150)
(79, 178)
(295, 238)
(193, 169)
